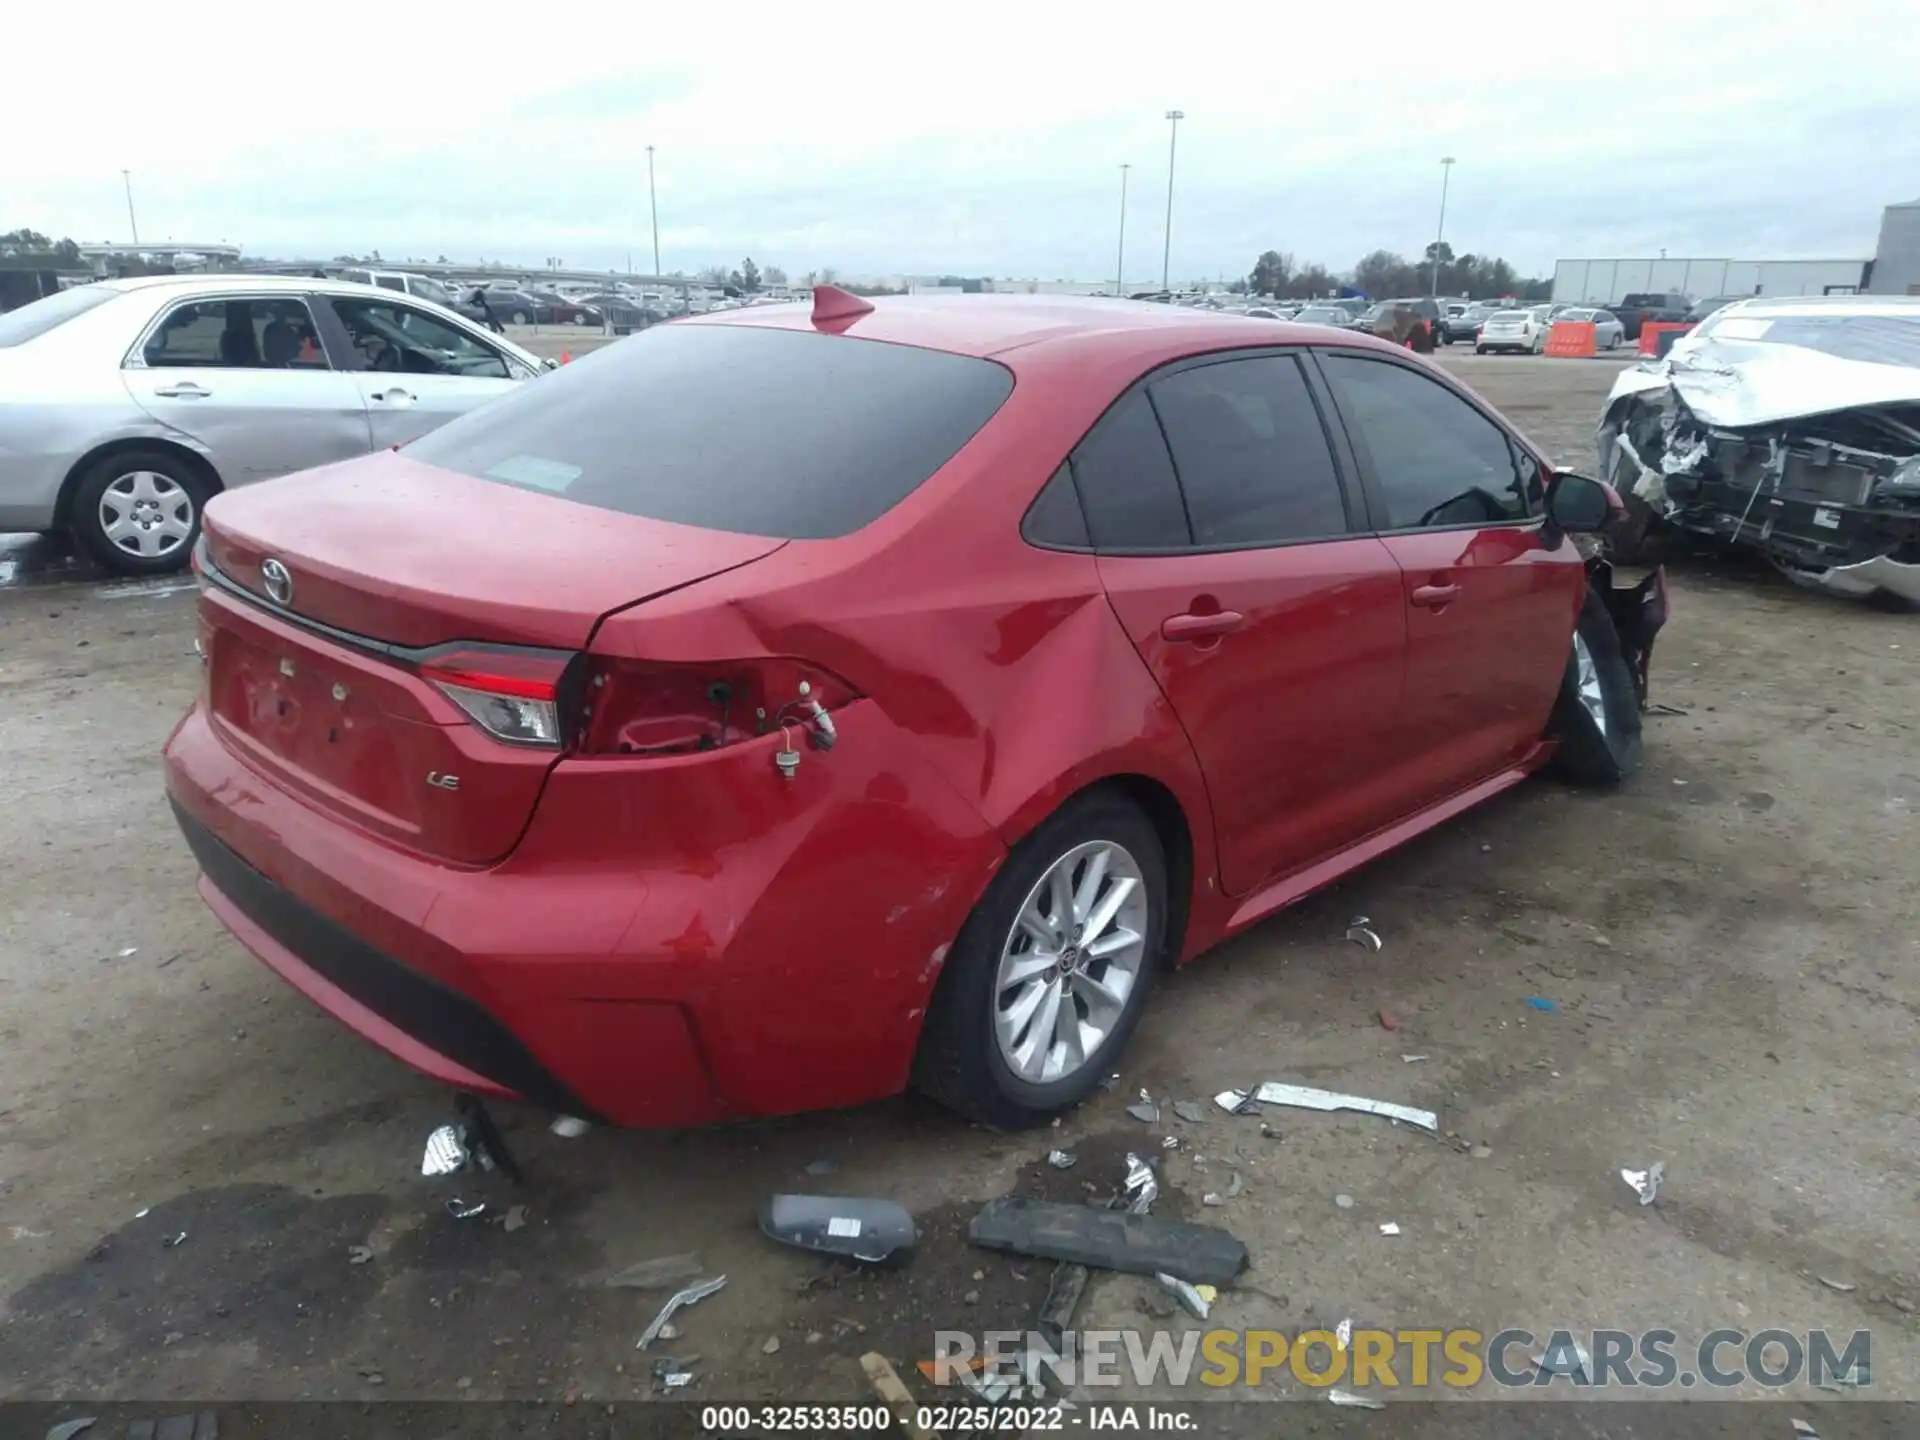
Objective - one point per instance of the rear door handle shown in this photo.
(1435, 597)
(185, 390)
(1201, 627)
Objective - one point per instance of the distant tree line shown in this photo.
(1385, 275)
(30, 250)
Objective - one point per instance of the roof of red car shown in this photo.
(986, 325)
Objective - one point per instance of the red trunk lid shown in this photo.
(401, 556)
(392, 549)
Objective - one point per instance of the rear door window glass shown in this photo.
(1127, 484)
(1250, 453)
(222, 333)
(783, 433)
(1438, 461)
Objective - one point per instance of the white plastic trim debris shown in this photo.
(1305, 1097)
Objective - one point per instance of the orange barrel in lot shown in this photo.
(1571, 339)
(1652, 330)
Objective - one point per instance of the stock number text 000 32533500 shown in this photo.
(873, 1419)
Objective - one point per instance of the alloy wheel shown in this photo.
(1592, 699)
(146, 513)
(1071, 961)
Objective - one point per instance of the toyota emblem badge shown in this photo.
(278, 582)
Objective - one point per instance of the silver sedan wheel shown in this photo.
(1592, 699)
(1070, 962)
(147, 514)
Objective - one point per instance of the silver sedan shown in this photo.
(125, 405)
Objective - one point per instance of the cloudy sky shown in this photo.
(982, 139)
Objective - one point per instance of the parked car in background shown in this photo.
(1517, 332)
(1323, 315)
(127, 404)
(579, 769)
(518, 305)
(1402, 322)
(1637, 309)
(1462, 322)
(1607, 329)
(621, 310)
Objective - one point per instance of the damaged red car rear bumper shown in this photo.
(665, 982)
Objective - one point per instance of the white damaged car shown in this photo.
(1790, 427)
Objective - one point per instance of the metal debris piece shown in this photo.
(67, 1429)
(173, 1242)
(1305, 1097)
(1343, 1332)
(657, 1274)
(1211, 1198)
(1235, 1186)
(1062, 1159)
(1344, 1201)
(668, 1331)
(894, 1394)
(1646, 1183)
(1064, 1292)
(1543, 1004)
(130, 950)
(514, 1219)
(1361, 932)
(447, 1152)
(461, 1210)
(1144, 1109)
(1190, 1111)
(483, 1137)
(1353, 1401)
(359, 1254)
(1237, 1102)
(1170, 1142)
(1804, 1428)
(1188, 1294)
(692, 1295)
(1143, 1186)
(772, 1347)
(1413, 1059)
(821, 1168)
(1271, 1132)
(570, 1127)
(677, 1379)
(1841, 1285)
(1391, 1227)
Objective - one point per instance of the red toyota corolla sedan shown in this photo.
(780, 708)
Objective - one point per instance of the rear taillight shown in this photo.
(513, 695)
(640, 707)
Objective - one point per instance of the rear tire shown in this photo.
(1479, 349)
(129, 505)
(1597, 717)
(963, 1060)
(519, 317)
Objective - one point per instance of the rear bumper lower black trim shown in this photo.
(436, 1015)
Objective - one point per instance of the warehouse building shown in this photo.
(1607, 282)
(1896, 265)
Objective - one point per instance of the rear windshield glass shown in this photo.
(30, 322)
(730, 427)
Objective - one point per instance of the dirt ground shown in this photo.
(1728, 947)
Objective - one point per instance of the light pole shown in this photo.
(653, 205)
(1174, 117)
(1120, 265)
(1446, 172)
(126, 178)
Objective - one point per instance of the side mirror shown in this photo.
(1581, 505)
(549, 363)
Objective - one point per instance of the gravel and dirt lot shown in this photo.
(189, 1151)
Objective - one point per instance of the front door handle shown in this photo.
(395, 396)
(1201, 627)
(185, 390)
(1435, 597)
